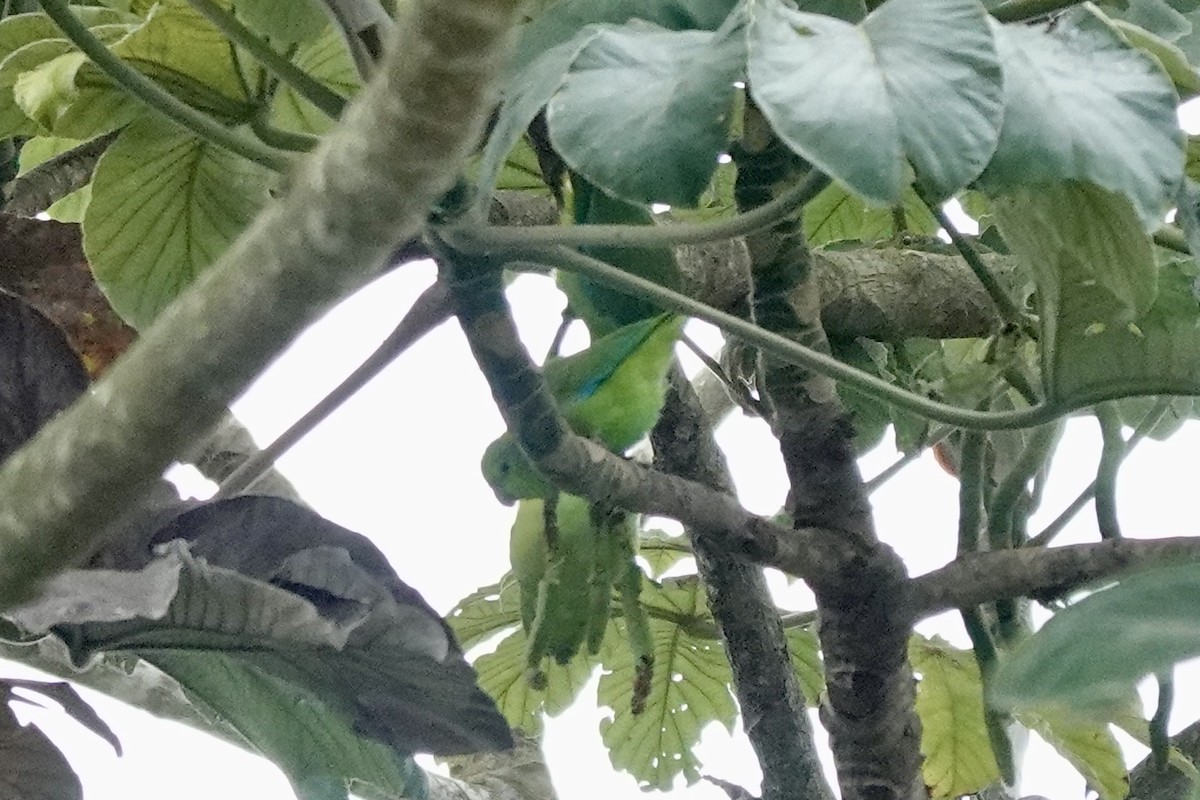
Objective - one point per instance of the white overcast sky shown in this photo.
(399, 462)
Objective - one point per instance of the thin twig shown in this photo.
(1004, 304)
(430, 310)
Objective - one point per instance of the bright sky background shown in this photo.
(399, 462)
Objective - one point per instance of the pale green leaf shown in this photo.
(838, 215)
(487, 610)
(1083, 245)
(178, 47)
(1170, 57)
(504, 676)
(954, 739)
(661, 551)
(689, 689)
(45, 92)
(13, 121)
(284, 22)
(806, 660)
(201, 197)
(665, 96)
(40, 148)
(328, 61)
(1090, 747)
(1146, 623)
(854, 99)
(1082, 105)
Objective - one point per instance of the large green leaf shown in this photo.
(854, 99)
(1182, 74)
(200, 198)
(1096, 274)
(504, 676)
(665, 96)
(29, 57)
(562, 20)
(1087, 657)
(689, 689)
(524, 96)
(1081, 104)
(954, 740)
(285, 22)
(16, 32)
(326, 59)
(177, 46)
(291, 727)
(1090, 747)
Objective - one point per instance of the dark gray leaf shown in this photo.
(34, 769)
(40, 374)
(75, 706)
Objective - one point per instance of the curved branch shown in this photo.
(1038, 572)
(487, 238)
(785, 349)
(369, 188)
(144, 89)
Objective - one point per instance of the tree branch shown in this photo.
(772, 705)
(580, 466)
(1040, 572)
(369, 188)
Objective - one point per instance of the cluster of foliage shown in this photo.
(163, 129)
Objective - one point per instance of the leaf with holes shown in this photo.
(504, 676)
(689, 688)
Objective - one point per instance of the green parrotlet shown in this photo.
(611, 392)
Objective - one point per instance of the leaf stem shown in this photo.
(480, 238)
(141, 87)
(429, 310)
(1113, 453)
(1142, 430)
(1004, 304)
(328, 101)
(784, 348)
(1172, 238)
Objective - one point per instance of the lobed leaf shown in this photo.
(954, 740)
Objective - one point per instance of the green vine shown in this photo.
(494, 238)
(787, 350)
